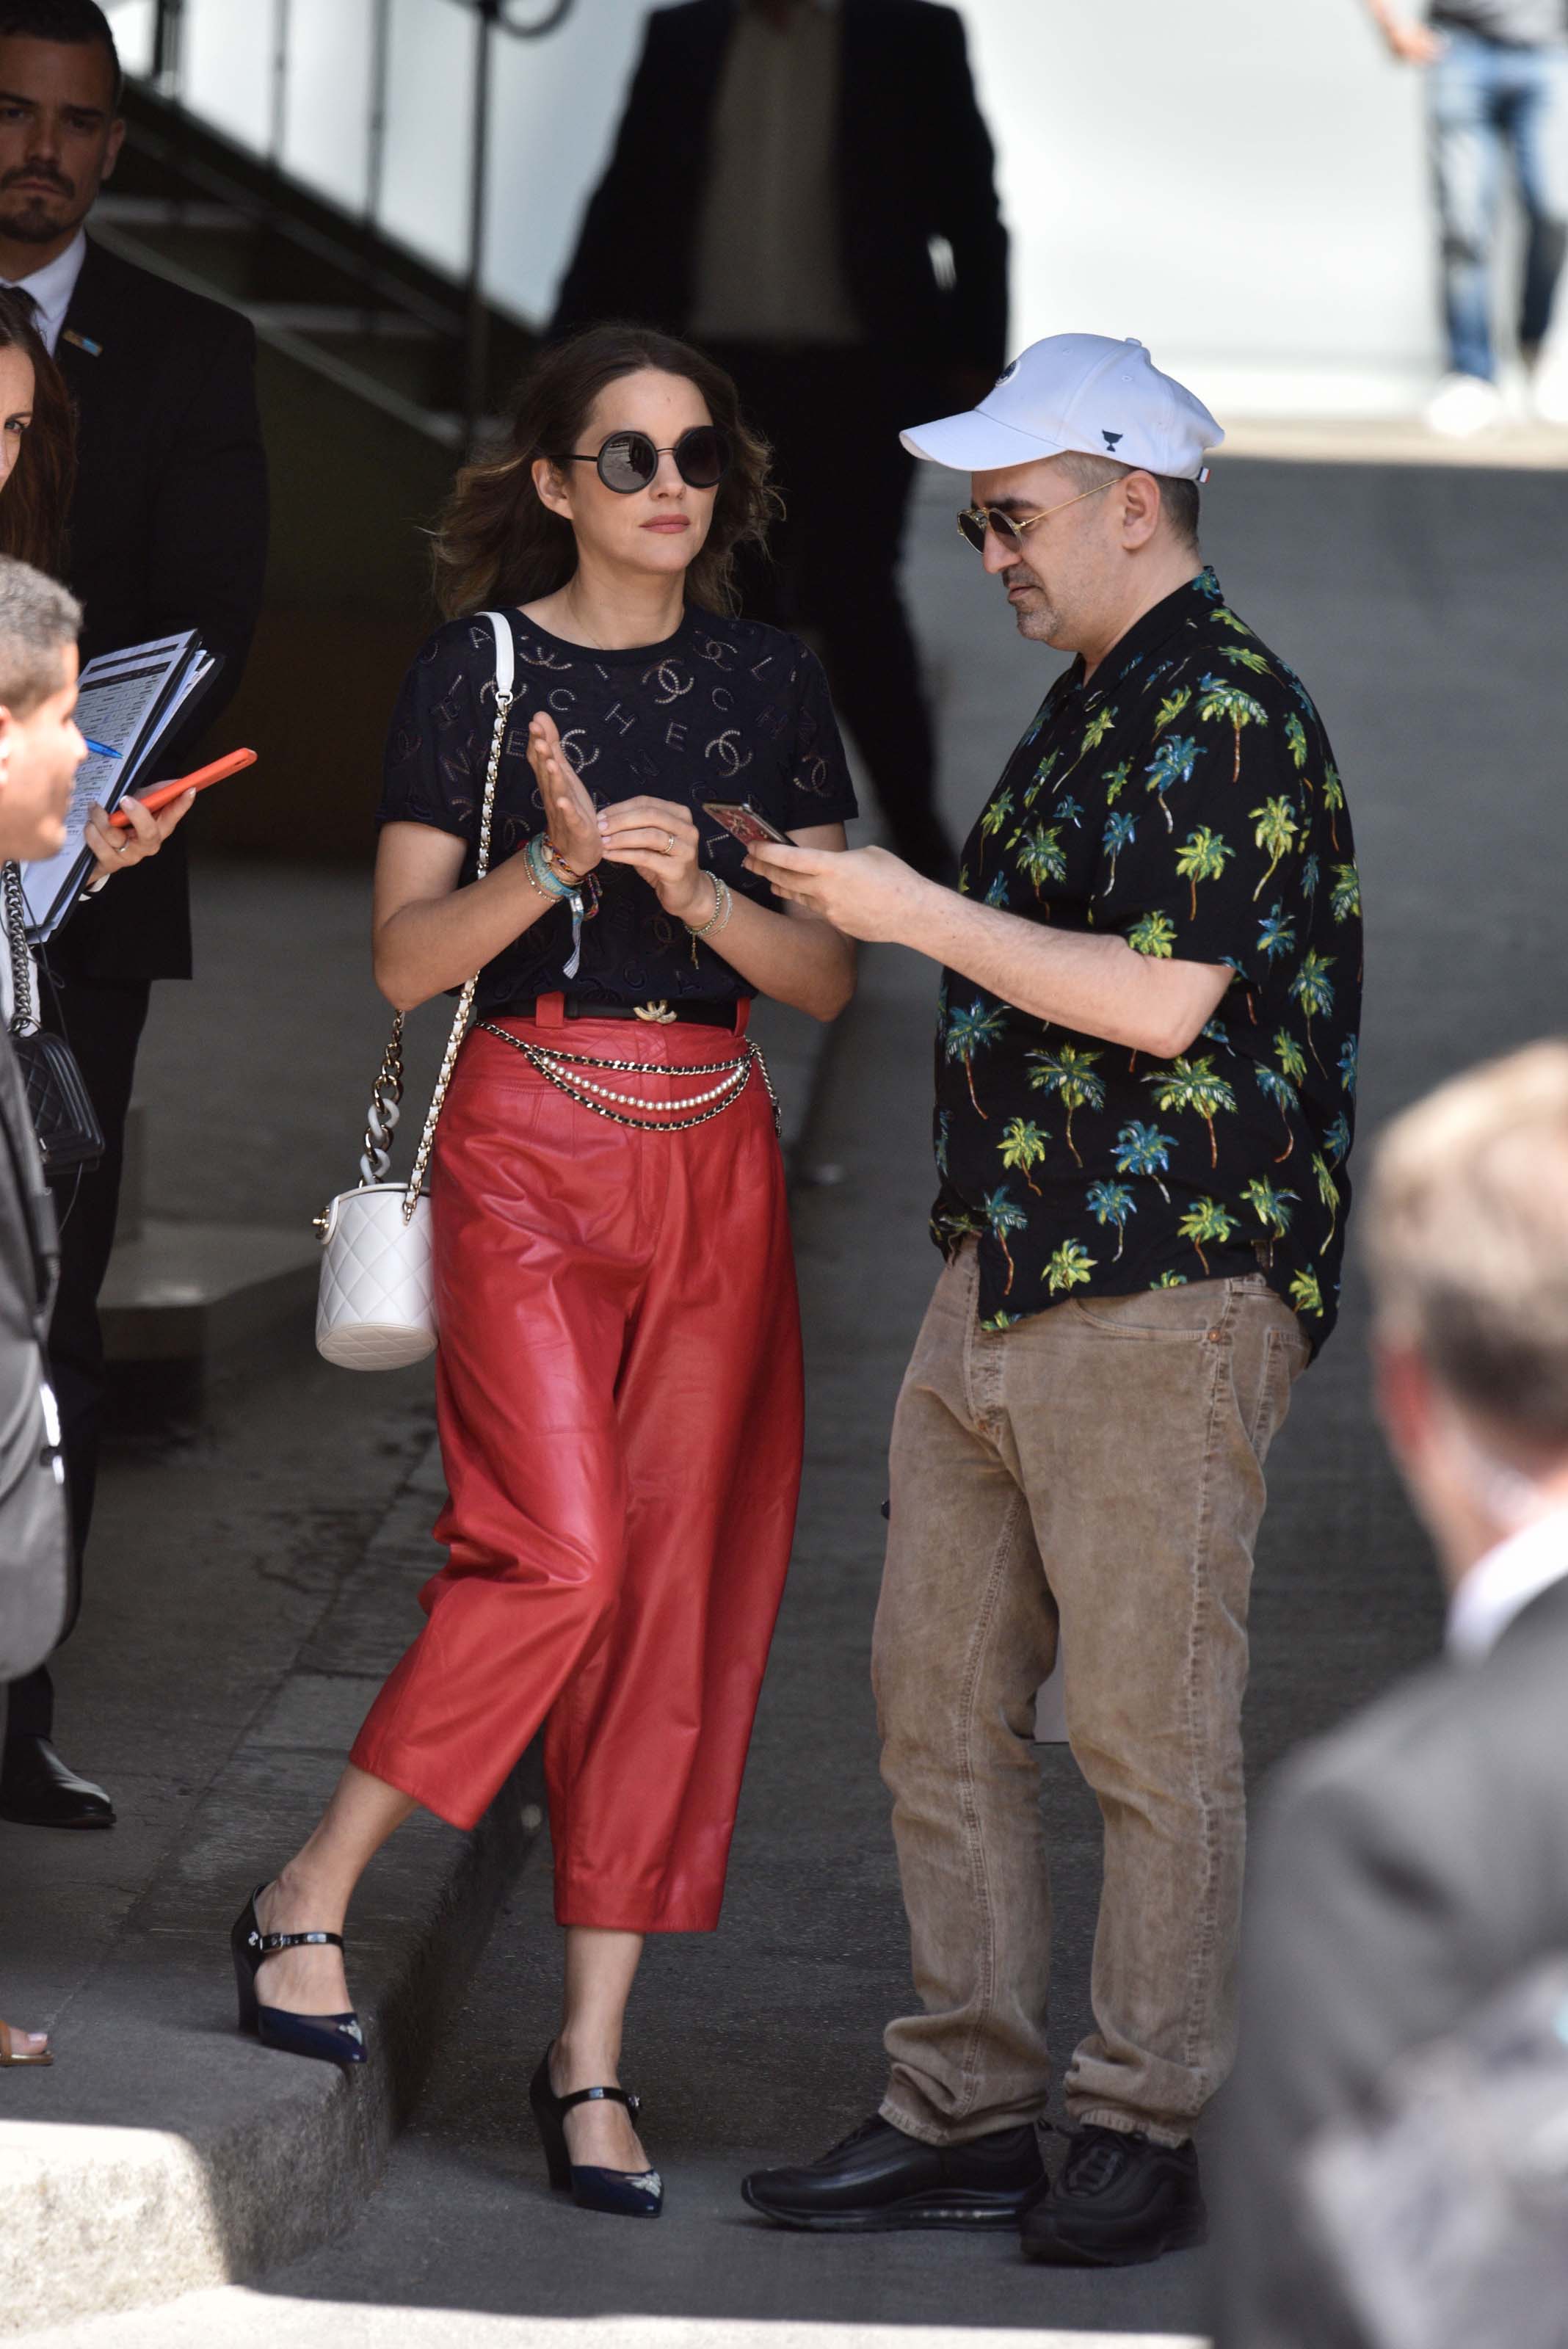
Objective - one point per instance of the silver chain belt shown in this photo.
(552, 1062)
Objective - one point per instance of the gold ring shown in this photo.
(669, 838)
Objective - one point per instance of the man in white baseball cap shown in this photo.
(1146, 1086)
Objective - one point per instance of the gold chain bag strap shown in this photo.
(376, 1308)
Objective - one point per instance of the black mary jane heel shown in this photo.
(626, 2193)
(330, 2038)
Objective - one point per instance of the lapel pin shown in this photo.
(83, 342)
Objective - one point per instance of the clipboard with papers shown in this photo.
(128, 701)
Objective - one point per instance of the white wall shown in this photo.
(1241, 182)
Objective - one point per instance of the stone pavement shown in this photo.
(1421, 605)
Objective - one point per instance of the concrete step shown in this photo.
(210, 1293)
(163, 2152)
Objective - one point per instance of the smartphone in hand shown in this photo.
(739, 817)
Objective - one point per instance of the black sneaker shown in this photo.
(1120, 2200)
(880, 2177)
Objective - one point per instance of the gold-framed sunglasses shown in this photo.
(975, 521)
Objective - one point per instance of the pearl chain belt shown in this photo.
(656, 1117)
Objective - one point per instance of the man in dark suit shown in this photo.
(168, 531)
(804, 187)
(1416, 1861)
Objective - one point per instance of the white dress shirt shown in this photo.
(768, 268)
(1504, 1584)
(51, 288)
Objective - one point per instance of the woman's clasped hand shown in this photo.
(657, 838)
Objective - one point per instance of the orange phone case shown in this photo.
(201, 781)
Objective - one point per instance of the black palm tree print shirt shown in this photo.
(1186, 800)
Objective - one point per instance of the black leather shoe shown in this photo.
(1120, 2200)
(38, 1790)
(880, 2178)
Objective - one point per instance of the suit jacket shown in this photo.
(914, 162)
(1415, 1863)
(35, 1516)
(168, 531)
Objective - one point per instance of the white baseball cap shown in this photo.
(1085, 392)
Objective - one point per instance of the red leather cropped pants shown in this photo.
(619, 1389)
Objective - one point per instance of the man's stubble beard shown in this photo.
(1038, 621)
(30, 225)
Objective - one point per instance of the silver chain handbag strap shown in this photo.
(465, 1005)
(22, 1016)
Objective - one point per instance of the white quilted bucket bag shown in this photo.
(375, 1309)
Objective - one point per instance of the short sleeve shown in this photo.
(430, 773)
(1214, 814)
(818, 790)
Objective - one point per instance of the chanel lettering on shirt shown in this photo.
(723, 710)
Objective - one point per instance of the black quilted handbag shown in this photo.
(64, 1118)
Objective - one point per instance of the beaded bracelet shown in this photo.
(546, 879)
(723, 906)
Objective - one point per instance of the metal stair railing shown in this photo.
(520, 19)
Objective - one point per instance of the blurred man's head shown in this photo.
(60, 133)
(1467, 1230)
(40, 748)
(1094, 459)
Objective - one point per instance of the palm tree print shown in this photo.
(1275, 829)
(1328, 1192)
(1143, 1150)
(1154, 935)
(1095, 731)
(1068, 810)
(1003, 1215)
(969, 1032)
(1345, 897)
(1337, 1141)
(1119, 833)
(1310, 870)
(1192, 1084)
(1172, 764)
(1290, 1056)
(1115, 779)
(1171, 707)
(1112, 1203)
(1277, 934)
(1334, 801)
(996, 814)
(1040, 856)
(1225, 618)
(1070, 1266)
(1069, 1074)
(1314, 990)
(996, 889)
(1171, 1280)
(1201, 857)
(1349, 1063)
(1022, 1145)
(1255, 661)
(1273, 1207)
(944, 1141)
(1206, 1220)
(1305, 1294)
(1297, 742)
(1221, 699)
(1286, 1100)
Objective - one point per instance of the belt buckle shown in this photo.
(658, 1012)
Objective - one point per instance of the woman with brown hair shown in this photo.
(618, 1373)
(35, 408)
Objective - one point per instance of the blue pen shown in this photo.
(102, 749)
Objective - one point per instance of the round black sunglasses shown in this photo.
(629, 460)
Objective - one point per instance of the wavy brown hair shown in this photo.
(37, 497)
(497, 543)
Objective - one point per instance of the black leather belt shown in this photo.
(655, 1013)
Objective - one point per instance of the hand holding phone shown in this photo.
(165, 795)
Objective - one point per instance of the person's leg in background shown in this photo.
(1538, 128)
(102, 1023)
(1468, 143)
(851, 495)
